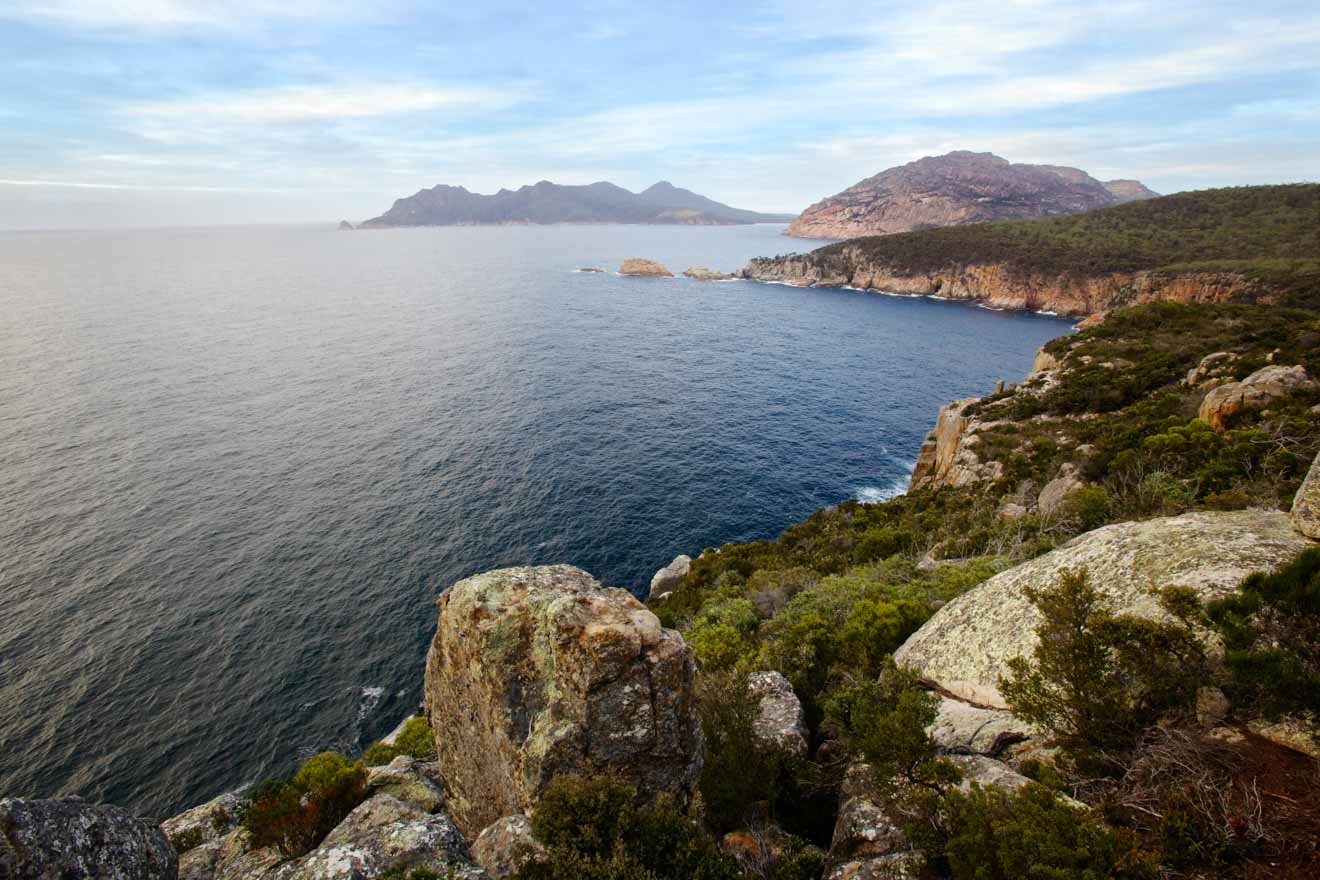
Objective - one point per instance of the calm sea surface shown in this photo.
(238, 465)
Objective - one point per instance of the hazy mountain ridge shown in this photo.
(546, 203)
(958, 188)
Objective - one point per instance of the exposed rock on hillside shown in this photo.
(966, 645)
(1306, 503)
(779, 718)
(958, 187)
(345, 226)
(56, 839)
(507, 845)
(948, 455)
(538, 672)
(1253, 392)
(636, 266)
(668, 578)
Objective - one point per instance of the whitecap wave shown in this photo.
(876, 494)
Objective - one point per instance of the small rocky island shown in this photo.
(638, 266)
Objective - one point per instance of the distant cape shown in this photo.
(547, 202)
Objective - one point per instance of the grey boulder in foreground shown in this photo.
(68, 839)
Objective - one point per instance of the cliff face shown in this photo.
(957, 188)
(999, 286)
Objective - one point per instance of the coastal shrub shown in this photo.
(885, 721)
(1088, 508)
(875, 629)
(182, 841)
(1095, 679)
(415, 739)
(990, 833)
(740, 776)
(594, 829)
(294, 815)
(1271, 633)
(401, 872)
(718, 646)
(798, 860)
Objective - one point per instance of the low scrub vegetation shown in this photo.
(414, 739)
(295, 814)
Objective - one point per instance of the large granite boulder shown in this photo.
(384, 832)
(506, 846)
(58, 839)
(966, 645)
(1057, 490)
(1306, 503)
(966, 729)
(538, 672)
(779, 721)
(1253, 392)
(667, 579)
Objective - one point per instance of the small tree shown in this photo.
(1096, 679)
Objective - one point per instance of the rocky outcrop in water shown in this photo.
(539, 672)
(956, 188)
(637, 266)
(965, 647)
(59, 839)
(706, 275)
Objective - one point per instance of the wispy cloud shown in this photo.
(301, 103)
(160, 15)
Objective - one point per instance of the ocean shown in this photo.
(237, 465)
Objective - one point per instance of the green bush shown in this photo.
(1271, 632)
(739, 775)
(989, 833)
(294, 815)
(798, 860)
(1096, 679)
(415, 739)
(594, 829)
(183, 841)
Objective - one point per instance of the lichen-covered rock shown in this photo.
(986, 771)
(1212, 706)
(897, 866)
(1058, 489)
(538, 672)
(964, 729)
(384, 832)
(1253, 392)
(636, 266)
(416, 783)
(1306, 503)
(202, 861)
(867, 827)
(506, 846)
(1212, 366)
(779, 714)
(206, 822)
(966, 645)
(667, 579)
(58, 839)
(1297, 734)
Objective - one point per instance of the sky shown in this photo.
(168, 112)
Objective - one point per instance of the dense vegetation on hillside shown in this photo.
(831, 598)
(1268, 232)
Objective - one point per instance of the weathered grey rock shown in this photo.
(58, 839)
(948, 456)
(1253, 392)
(667, 579)
(636, 266)
(897, 866)
(206, 822)
(416, 783)
(986, 771)
(507, 845)
(1212, 366)
(1306, 503)
(239, 861)
(1058, 489)
(867, 827)
(966, 645)
(963, 729)
(384, 832)
(201, 862)
(779, 716)
(1212, 706)
(539, 672)
(1011, 510)
(1044, 361)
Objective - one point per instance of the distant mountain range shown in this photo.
(548, 202)
(958, 188)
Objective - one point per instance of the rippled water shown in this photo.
(238, 465)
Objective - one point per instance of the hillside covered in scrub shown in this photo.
(1254, 243)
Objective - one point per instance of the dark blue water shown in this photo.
(237, 466)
